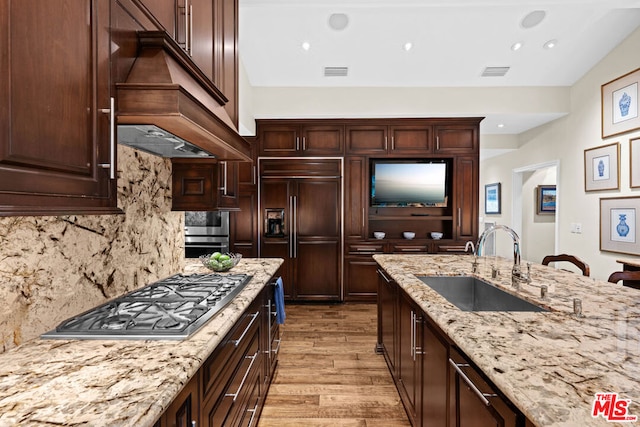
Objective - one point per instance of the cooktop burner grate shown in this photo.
(172, 308)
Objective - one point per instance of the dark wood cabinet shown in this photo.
(459, 139)
(184, 411)
(475, 402)
(466, 201)
(437, 383)
(306, 198)
(453, 140)
(387, 319)
(230, 387)
(243, 225)
(207, 30)
(204, 185)
(409, 346)
(395, 139)
(434, 356)
(165, 12)
(356, 171)
(360, 278)
(57, 121)
(292, 138)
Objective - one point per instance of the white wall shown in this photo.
(565, 140)
(538, 231)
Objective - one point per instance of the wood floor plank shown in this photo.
(328, 373)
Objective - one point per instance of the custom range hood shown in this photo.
(168, 107)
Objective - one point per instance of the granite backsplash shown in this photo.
(54, 267)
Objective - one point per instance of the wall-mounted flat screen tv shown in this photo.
(412, 183)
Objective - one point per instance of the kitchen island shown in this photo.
(114, 382)
(548, 364)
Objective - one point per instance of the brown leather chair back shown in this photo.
(583, 266)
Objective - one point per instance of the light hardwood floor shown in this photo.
(328, 372)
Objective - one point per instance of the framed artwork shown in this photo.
(634, 160)
(546, 200)
(601, 168)
(620, 104)
(619, 222)
(492, 198)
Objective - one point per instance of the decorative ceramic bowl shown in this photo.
(220, 262)
(379, 234)
(436, 235)
(409, 235)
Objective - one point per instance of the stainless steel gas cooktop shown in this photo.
(172, 308)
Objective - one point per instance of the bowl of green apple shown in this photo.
(219, 262)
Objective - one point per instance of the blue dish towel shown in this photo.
(279, 300)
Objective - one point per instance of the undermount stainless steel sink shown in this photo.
(472, 294)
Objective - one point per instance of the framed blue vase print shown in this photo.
(620, 112)
(602, 168)
(619, 222)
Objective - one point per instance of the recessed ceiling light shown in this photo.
(516, 46)
(550, 44)
(306, 45)
(501, 125)
(407, 46)
(338, 21)
(533, 18)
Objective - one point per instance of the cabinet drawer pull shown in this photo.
(380, 272)
(244, 377)
(410, 249)
(476, 390)
(239, 340)
(275, 350)
(253, 414)
(112, 138)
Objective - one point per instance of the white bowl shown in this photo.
(436, 235)
(378, 234)
(409, 235)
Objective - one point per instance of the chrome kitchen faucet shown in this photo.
(517, 275)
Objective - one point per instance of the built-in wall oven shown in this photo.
(205, 233)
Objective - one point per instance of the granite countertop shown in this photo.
(549, 364)
(109, 382)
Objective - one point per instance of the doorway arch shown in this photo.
(518, 175)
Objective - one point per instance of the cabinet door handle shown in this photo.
(393, 143)
(186, 25)
(190, 48)
(381, 273)
(295, 227)
(239, 340)
(297, 143)
(385, 143)
(291, 230)
(254, 175)
(413, 335)
(304, 143)
(244, 377)
(437, 143)
(223, 189)
(459, 217)
(253, 414)
(476, 390)
(112, 138)
(277, 349)
(269, 328)
(363, 220)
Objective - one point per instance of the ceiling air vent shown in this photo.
(336, 71)
(495, 71)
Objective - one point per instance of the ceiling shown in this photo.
(453, 42)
